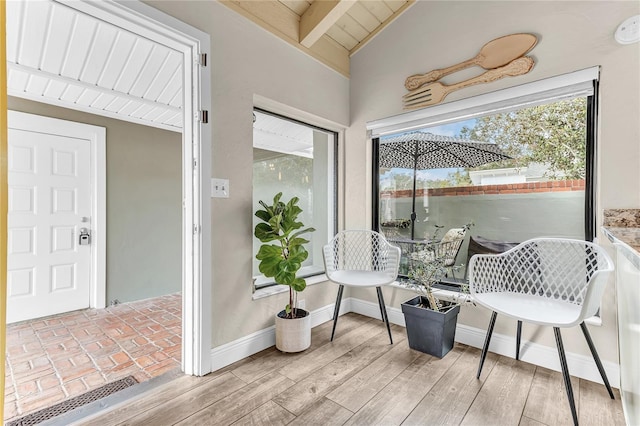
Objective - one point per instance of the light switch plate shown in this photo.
(219, 188)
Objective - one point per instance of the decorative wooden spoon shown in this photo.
(494, 54)
(435, 92)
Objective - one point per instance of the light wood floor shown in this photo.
(361, 379)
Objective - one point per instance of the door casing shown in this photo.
(146, 21)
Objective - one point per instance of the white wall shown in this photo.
(247, 61)
(572, 36)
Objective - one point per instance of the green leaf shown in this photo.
(304, 231)
(265, 233)
(263, 215)
(299, 284)
(298, 254)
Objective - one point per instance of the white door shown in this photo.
(48, 271)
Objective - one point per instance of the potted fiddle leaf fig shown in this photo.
(281, 258)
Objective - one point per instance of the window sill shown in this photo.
(277, 289)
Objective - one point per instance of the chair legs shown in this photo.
(596, 358)
(518, 337)
(383, 312)
(336, 311)
(565, 374)
(487, 340)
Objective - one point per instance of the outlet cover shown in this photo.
(219, 188)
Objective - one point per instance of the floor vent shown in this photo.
(73, 403)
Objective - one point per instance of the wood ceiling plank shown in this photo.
(15, 17)
(298, 6)
(122, 50)
(321, 16)
(142, 111)
(79, 45)
(116, 105)
(153, 114)
(129, 108)
(176, 101)
(170, 90)
(351, 26)
(378, 9)
(278, 18)
(71, 93)
(34, 35)
(55, 89)
(395, 5)
(332, 53)
(37, 85)
(59, 37)
(171, 66)
(88, 97)
(17, 80)
(134, 64)
(99, 53)
(386, 22)
(281, 21)
(342, 37)
(364, 17)
(102, 101)
(157, 58)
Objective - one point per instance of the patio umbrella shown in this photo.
(423, 151)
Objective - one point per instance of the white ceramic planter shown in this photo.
(293, 335)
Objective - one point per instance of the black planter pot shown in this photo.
(430, 331)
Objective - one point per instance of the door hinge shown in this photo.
(202, 59)
(196, 229)
(204, 116)
(195, 163)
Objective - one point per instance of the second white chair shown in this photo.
(546, 281)
(361, 259)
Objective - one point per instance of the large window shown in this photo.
(298, 160)
(523, 172)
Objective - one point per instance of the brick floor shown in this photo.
(56, 358)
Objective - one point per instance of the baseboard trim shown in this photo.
(579, 365)
(231, 352)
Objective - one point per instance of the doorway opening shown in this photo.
(150, 24)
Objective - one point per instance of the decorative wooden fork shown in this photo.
(434, 93)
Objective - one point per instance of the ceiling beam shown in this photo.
(319, 17)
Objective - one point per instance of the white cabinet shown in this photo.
(628, 296)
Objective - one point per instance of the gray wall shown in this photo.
(246, 63)
(144, 237)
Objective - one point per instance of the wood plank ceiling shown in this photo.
(329, 30)
(60, 56)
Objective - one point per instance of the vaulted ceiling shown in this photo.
(58, 55)
(329, 30)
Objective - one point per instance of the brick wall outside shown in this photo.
(510, 188)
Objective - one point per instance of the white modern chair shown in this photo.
(546, 281)
(361, 259)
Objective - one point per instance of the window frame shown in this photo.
(332, 191)
(572, 85)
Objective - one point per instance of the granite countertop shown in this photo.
(623, 226)
(629, 236)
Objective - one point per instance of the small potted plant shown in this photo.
(281, 258)
(430, 322)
